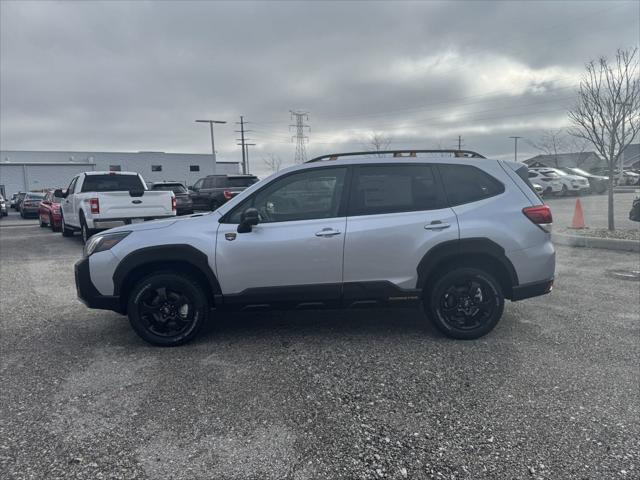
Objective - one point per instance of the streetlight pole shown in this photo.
(515, 142)
(213, 146)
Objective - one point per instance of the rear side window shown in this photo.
(381, 189)
(111, 183)
(240, 181)
(466, 184)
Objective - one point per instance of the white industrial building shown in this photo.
(24, 170)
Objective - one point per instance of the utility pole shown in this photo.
(459, 142)
(242, 141)
(213, 146)
(246, 146)
(515, 144)
(301, 138)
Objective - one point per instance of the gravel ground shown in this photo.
(552, 393)
(601, 233)
(594, 208)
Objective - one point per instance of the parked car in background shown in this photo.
(597, 183)
(550, 183)
(100, 200)
(3, 207)
(31, 204)
(210, 192)
(14, 199)
(629, 177)
(49, 211)
(184, 204)
(570, 183)
(19, 199)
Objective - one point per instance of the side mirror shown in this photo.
(248, 219)
(60, 193)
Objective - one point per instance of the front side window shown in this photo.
(198, 184)
(379, 189)
(305, 195)
(72, 185)
(466, 184)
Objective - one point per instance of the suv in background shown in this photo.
(597, 183)
(210, 192)
(30, 204)
(570, 182)
(184, 204)
(458, 234)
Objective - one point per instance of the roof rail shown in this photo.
(397, 154)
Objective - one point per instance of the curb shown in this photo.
(595, 242)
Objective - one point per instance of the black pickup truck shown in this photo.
(210, 192)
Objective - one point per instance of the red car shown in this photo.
(49, 211)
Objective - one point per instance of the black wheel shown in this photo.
(51, 224)
(85, 231)
(66, 231)
(167, 309)
(42, 224)
(564, 190)
(465, 303)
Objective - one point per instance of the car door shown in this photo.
(396, 213)
(295, 253)
(196, 196)
(66, 206)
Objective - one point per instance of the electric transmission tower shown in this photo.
(301, 138)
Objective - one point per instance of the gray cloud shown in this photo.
(134, 75)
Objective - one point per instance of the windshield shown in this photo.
(579, 171)
(550, 174)
(240, 181)
(34, 196)
(170, 187)
(112, 183)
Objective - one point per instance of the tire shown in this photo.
(66, 232)
(52, 225)
(42, 224)
(85, 231)
(564, 191)
(155, 312)
(455, 309)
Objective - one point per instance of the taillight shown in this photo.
(227, 194)
(173, 203)
(540, 215)
(95, 205)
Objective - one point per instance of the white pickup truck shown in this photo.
(102, 200)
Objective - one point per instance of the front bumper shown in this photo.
(529, 290)
(87, 292)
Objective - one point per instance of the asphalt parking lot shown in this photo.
(594, 208)
(552, 393)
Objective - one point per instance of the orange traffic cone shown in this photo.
(578, 216)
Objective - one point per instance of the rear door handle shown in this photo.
(328, 232)
(436, 225)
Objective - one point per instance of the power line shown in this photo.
(242, 143)
(301, 138)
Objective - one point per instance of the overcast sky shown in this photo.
(129, 76)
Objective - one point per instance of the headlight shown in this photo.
(106, 241)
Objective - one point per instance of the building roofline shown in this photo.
(10, 162)
(108, 153)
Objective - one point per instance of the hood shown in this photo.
(158, 224)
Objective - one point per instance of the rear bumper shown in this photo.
(89, 294)
(532, 290)
(106, 223)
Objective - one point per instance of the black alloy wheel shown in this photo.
(167, 309)
(466, 303)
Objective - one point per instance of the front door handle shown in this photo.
(328, 232)
(436, 225)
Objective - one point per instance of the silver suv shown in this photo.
(449, 230)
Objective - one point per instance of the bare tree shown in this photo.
(578, 146)
(607, 112)
(273, 161)
(551, 143)
(378, 142)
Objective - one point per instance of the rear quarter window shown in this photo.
(466, 184)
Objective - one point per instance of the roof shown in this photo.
(632, 154)
(563, 158)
